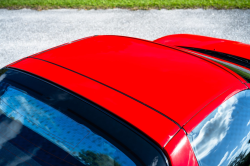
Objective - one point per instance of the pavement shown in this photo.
(25, 32)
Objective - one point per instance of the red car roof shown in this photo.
(170, 82)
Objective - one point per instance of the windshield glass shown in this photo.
(223, 137)
(23, 115)
(34, 133)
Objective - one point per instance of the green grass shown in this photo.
(129, 4)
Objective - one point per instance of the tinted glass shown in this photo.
(223, 138)
(40, 125)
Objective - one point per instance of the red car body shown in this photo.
(171, 89)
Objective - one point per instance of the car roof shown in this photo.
(173, 83)
(118, 104)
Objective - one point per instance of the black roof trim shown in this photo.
(228, 57)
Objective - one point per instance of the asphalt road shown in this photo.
(25, 32)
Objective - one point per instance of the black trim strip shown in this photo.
(111, 88)
(228, 57)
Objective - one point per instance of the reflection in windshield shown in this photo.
(19, 111)
(214, 130)
(91, 158)
(16, 127)
(223, 137)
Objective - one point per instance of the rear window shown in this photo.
(41, 124)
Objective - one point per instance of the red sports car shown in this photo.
(119, 101)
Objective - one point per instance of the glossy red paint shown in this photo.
(160, 77)
(134, 78)
(212, 60)
(248, 85)
(203, 42)
(209, 43)
(180, 151)
(149, 122)
(212, 106)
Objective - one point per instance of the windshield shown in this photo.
(35, 133)
(223, 137)
(42, 124)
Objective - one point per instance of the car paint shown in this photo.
(190, 125)
(213, 59)
(180, 151)
(142, 69)
(209, 43)
(149, 122)
(129, 74)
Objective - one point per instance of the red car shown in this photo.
(121, 101)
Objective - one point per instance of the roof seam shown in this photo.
(112, 89)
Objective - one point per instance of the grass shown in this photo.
(128, 4)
